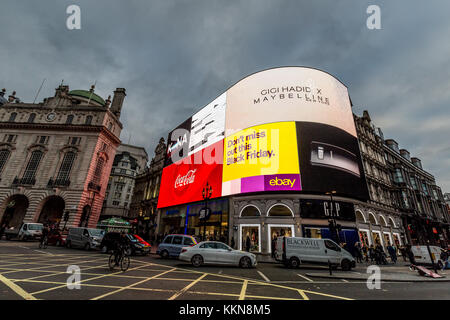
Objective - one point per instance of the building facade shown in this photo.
(144, 202)
(55, 156)
(129, 162)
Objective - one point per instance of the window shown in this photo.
(74, 141)
(208, 245)
(177, 240)
(88, 120)
(11, 138)
(250, 211)
(280, 210)
(32, 165)
(12, 117)
(66, 166)
(332, 246)
(188, 241)
(98, 170)
(398, 176)
(31, 118)
(42, 139)
(4, 155)
(222, 246)
(413, 182)
(69, 119)
(115, 203)
(168, 239)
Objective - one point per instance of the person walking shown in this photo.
(410, 254)
(358, 253)
(248, 244)
(403, 252)
(372, 253)
(366, 255)
(392, 253)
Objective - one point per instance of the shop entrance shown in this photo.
(276, 231)
(15, 211)
(364, 238)
(250, 238)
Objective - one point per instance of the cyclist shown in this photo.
(44, 237)
(120, 247)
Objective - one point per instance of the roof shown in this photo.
(87, 94)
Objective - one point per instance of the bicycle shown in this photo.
(44, 243)
(119, 257)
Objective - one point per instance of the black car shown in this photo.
(109, 240)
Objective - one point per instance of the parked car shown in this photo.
(422, 256)
(142, 241)
(135, 245)
(214, 252)
(293, 251)
(57, 238)
(173, 243)
(87, 238)
(25, 231)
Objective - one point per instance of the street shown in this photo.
(27, 272)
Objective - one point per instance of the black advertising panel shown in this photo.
(322, 209)
(330, 160)
(178, 143)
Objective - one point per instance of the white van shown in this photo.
(422, 256)
(293, 251)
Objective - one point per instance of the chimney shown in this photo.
(12, 97)
(116, 106)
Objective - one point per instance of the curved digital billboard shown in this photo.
(287, 129)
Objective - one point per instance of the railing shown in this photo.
(58, 183)
(24, 181)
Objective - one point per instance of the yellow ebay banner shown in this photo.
(261, 150)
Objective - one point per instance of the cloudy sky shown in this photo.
(173, 57)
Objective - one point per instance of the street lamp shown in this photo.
(332, 221)
(206, 194)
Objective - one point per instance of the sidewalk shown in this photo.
(393, 273)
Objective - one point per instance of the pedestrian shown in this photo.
(392, 253)
(403, 252)
(366, 256)
(232, 242)
(274, 242)
(358, 252)
(247, 244)
(410, 254)
(372, 253)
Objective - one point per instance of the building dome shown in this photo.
(86, 95)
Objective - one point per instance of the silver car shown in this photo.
(213, 252)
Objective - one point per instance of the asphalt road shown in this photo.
(27, 272)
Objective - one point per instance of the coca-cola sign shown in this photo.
(188, 178)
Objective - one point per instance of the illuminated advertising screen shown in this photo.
(281, 130)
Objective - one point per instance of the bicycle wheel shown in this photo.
(112, 261)
(125, 263)
(45, 244)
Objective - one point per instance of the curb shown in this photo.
(315, 275)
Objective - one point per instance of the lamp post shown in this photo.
(206, 194)
(332, 221)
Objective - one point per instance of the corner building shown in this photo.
(279, 154)
(56, 155)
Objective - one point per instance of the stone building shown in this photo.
(146, 191)
(129, 162)
(379, 219)
(55, 156)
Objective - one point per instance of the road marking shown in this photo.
(303, 294)
(220, 271)
(304, 277)
(263, 276)
(43, 252)
(179, 293)
(130, 286)
(243, 290)
(344, 280)
(17, 289)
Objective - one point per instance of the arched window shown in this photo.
(66, 166)
(31, 118)
(250, 211)
(32, 166)
(12, 117)
(280, 210)
(4, 155)
(392, 223)
(88, 120)
(372, 218)
(69, 119)
(360, 217)
(383, 220)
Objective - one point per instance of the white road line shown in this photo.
(44, 252)
(263, 276)
(220, 271)
(344, 280)
(304, 277)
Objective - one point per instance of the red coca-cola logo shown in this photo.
(188, 178)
